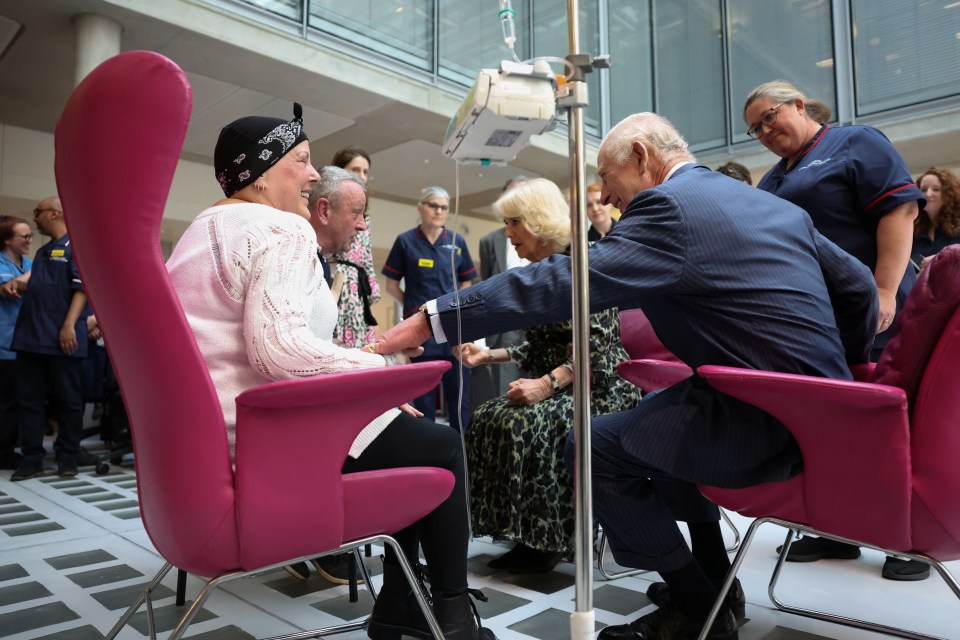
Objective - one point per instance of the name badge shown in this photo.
(56, 253)
(425, 262)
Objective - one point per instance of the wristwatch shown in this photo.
(553, 379)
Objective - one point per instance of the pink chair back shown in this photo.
(640, 340)
(900, 490)
(117, 146)
(932, 333)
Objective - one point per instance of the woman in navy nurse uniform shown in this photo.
(422, 258)
(859, 194)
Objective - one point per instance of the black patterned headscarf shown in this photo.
(249, 146)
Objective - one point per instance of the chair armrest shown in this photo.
(292, 439)
(385, 386)
(863, 372)
(854, 438)
(651, 375)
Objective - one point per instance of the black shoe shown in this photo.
(87, 459)
(659, 594)
(458, 618)
(397, 612)
(336, 569)
(10, 460)
(672, 624)
(812, 549)
(298, 570)
(535, 561)
(27, 469)
(509, 558)
(66, 467)
(905, 570)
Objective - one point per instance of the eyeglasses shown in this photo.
(437, 206)
(39, 210)
(25, 236)
(766, 120)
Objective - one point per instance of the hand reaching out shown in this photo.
(471, 355)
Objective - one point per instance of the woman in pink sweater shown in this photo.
(251, 283)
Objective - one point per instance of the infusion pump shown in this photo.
(503, 109)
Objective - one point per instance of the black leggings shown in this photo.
(444, 532)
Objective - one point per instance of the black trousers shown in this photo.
(9, 423)
(444, 532)
(43, 378)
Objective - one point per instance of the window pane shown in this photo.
(689, 69)
(399, 29)
(905, 52)
(286, 8)
(550, 39)
(631, 62)
(471, 37)
(762, 50)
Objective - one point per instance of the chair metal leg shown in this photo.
(211, 585)
(417, 592)
(613, 575)
(733, 528)
(143, 597)
(792, 529)
(731, 576)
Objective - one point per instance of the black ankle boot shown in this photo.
(458, 617)
(396, 612)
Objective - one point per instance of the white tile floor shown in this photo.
(72, 551)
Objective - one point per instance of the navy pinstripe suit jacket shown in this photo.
(727, 275)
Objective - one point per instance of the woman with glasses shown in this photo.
(432, 261)
(859, 194)
(15, 237)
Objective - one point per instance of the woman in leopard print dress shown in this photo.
(520, 487)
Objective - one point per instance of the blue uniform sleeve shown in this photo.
(853, 295)
(75, 283)
(466, 271)
(394, 268)
(879, 174)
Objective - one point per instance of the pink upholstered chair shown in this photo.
(117, 146)
(900, 493)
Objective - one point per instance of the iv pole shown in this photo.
(582, 620)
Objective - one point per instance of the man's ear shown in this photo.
(641, 154)
(322, 211)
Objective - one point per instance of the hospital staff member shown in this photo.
(426, 259)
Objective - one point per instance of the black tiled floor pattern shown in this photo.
(110, 562)
(18, 519)
(548, 625)
(36, 617)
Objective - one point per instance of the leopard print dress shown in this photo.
(520, 487)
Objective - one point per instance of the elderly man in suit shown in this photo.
(726, 275)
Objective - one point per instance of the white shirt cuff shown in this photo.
(438, 333)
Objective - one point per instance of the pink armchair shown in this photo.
(900, 493)
(117, 147)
